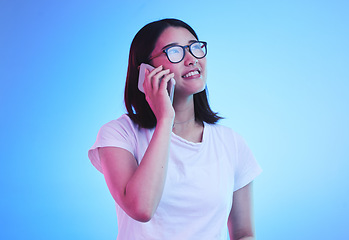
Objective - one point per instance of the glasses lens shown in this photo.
(175, 54)
(198, 49)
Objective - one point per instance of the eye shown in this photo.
(197, 49)
(196, 46)
(174, 50)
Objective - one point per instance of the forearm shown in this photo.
(240, 221)
(241, 237)
(245, 238)
(145, 188)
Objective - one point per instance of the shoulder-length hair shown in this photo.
(141, 47)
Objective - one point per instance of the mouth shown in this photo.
(192, 73)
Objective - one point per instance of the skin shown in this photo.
(240, 224)
(183, 103)
(122, 174)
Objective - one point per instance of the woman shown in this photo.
(172, 171)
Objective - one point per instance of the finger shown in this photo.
(146, 80)
(151, 74)
(162, 73)
(165, 80)
(155, 71)
(156, 80)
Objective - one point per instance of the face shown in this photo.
(190, 73)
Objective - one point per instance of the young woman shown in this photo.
(173, 172)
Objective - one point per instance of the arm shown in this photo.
(240, 221)
(138, 189)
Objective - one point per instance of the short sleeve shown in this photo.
(246, 168)
(116, 133)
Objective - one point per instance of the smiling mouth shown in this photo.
(192, 73)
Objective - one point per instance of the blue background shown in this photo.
(277, 70)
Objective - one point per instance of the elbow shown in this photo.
(142, 213)
(142, 216)
(137, 210)
(141, 209)
(244, 237)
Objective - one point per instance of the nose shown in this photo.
(189, 59)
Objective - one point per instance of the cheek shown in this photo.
(203, 69)
(173, 69)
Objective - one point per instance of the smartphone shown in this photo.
(141, 77)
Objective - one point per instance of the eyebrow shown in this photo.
(175, 43)
(169, 45)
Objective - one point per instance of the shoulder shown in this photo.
(120, 133)
(223, 132)
(124, 129)
(123, 120)
(121, 124)
(227, 137)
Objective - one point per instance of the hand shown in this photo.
(156, 94)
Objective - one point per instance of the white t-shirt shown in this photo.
(201, 179)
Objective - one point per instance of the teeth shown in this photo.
(191, 73)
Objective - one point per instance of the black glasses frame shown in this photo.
(204, 45)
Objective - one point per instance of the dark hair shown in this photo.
(142, 45)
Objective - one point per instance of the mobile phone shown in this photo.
(141, 77)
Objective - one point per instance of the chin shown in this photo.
(196, 90)
(190, 87)
(200, 88)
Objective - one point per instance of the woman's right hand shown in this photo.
(156, 94)
(138, 188)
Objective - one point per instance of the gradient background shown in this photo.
(277, 70)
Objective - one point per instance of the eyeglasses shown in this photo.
(176, 53)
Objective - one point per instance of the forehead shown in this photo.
(178, 35)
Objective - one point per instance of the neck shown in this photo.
(185, 124)
(184, 111)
